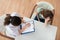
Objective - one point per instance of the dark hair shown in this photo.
(13, 20)
(47, 13)
(7, 19)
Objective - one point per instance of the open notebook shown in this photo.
(29, 29)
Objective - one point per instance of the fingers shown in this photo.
(28, 24)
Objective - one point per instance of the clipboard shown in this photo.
(29, 29)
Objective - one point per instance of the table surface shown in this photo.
(41, 32)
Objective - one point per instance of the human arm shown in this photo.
(26, 26)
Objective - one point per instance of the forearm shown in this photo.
(21, 30)
(26, 26)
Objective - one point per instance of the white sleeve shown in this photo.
(9, 32)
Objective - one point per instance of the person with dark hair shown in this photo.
(12, 24)
(46, 14)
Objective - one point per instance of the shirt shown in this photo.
(12, 31)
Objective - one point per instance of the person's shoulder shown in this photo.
(9, 26)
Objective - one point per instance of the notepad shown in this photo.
(29, 29)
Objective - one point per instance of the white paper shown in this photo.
(29, 29)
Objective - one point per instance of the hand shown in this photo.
(28, 24)
(47, 19)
